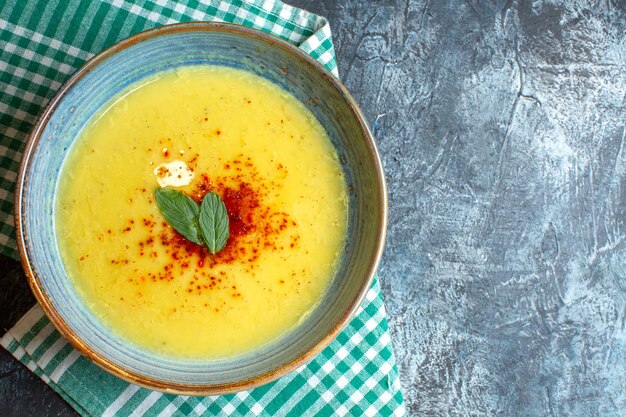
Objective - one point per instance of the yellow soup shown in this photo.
(202, 129)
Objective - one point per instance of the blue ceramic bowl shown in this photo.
(142, 56)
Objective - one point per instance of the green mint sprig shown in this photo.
(214, 224)
(205, 225)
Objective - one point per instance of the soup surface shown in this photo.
(202, 129)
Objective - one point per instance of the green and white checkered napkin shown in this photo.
(41, 45)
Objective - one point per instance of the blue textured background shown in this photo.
(502, 127)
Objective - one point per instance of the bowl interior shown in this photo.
(166, 49)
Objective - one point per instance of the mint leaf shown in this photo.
(181, 212)
(214, 224)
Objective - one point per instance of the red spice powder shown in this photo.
(254, 227)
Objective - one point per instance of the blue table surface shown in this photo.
(501, 126)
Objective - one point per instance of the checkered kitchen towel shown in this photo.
(41, 44)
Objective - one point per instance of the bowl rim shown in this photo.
(34, 279)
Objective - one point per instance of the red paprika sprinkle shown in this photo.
(255, 227)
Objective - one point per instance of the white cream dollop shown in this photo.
(174, 174)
